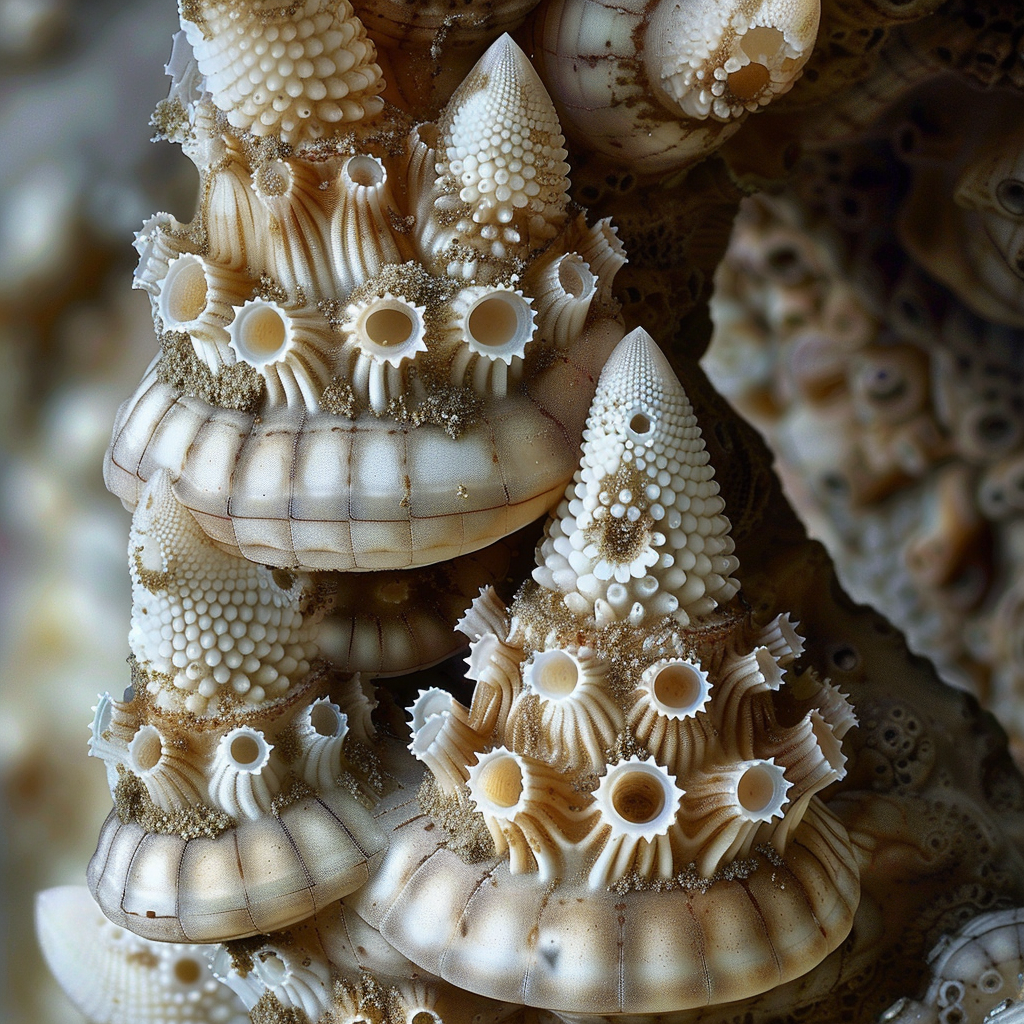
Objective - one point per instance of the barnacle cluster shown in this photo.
(680, 774)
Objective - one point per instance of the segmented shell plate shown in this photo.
(568, 947)
(253, 878)
(325, 492)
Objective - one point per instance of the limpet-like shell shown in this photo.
(568, 947)
(329, 493)
(115, 977)
(253, 877)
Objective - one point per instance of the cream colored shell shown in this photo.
(115, 977)
(330, 396)
(566, 946)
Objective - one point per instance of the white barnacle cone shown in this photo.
(641, 531)
(563, 288)
(638, 802)
(443, 740)
(243, 780)
(673, 692)
(111, 731)
(384, 336)
(501, 152)
(321, 730)
(296, 71)
(725, 806)
(196, 297)
(172, 779)
(521, 800)
(715, 59)
(564, 713)
(495, 326)
(289, 348)
(203, 620)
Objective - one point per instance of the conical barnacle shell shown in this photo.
(494, 325)
(321, 730)
(494, 666)
(564, 714)
(781, 639)
(487, 614)
(724, 807)
(172, 779)
(500, 156)
(712, 59)
(812, 756)
(234, 219)
(384, 335)
(443, 740)
(564, 946)
(526, 805)
(212, 884)
(296, 71)
(600, 248)
(157, 244)
(362, 232)
(975, 974)
(195, 297)
(243, 778)
(356, 697)
(322, 491)
(114, 977)
(288, 347)
(294, 977)
(638, 802)
(668, 714)
(113, 726)
(229, 622)
(294, 197)
(740, 699)
(632, 539)
(563, 289)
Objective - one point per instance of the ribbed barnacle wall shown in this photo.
(389, 342)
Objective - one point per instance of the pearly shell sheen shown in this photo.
(256, 876)
(567, 947)
(114, 977)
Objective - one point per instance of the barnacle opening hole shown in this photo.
(575, 278)
(326, 719)
(184, 291)
(260, 333)
(637, 797)
(553, 675)
(1010, 195)
(499, 324)
(187, 971)
(747, 83)
(761, 790)
(246, 749)
(500, 781)
(272, 968)
(679, 688)
(146, 749)
(389, 326)
(640, 426)
(365, 171)
(424, 1017)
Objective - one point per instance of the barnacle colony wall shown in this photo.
(379, 339)
(378, 351)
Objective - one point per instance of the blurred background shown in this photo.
(78, 175)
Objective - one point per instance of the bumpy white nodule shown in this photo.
(296, 71)
(641, 530)
(205, 624)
